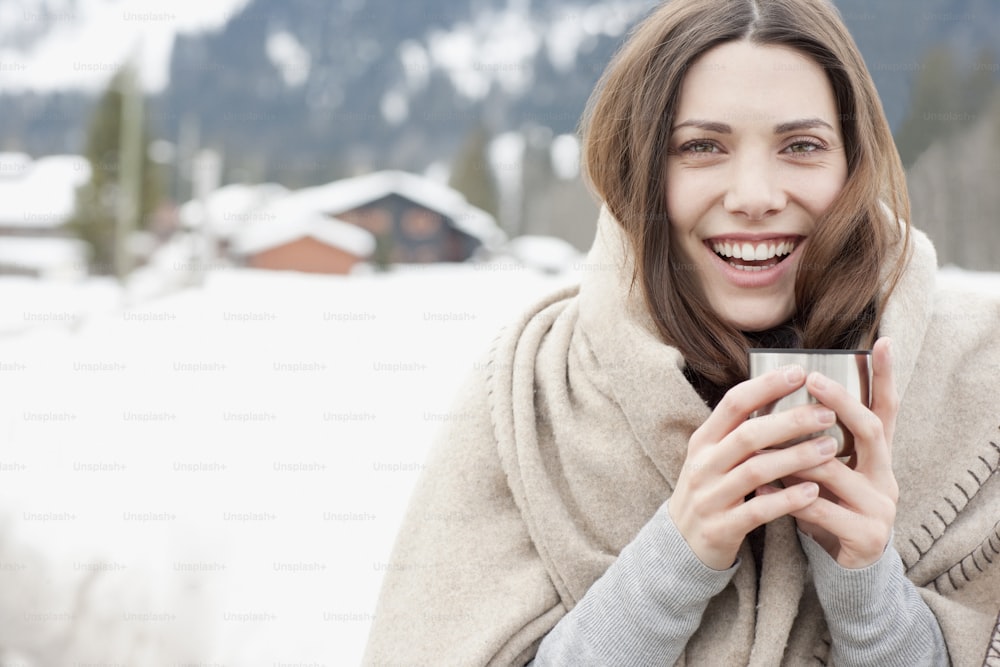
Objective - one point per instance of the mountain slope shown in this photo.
(302, 91)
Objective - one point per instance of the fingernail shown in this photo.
(819, 381)
(794, 374)
(825, 416)
(810, 490)
(826, 446)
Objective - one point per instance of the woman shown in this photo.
(606, 500)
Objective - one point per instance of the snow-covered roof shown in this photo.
(288, 223)
(39, 194)
(47, 257)
(350, 193)
(231, 207)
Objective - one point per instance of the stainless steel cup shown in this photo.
(851, 368)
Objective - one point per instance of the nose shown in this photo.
(754, 190)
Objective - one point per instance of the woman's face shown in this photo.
(756, 156)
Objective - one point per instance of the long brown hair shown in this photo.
(843, 279)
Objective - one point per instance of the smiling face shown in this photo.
(756, 156)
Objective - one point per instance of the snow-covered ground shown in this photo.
(230, 463)
(216, 476)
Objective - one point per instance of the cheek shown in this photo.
(823, 192)
(825, 199)
(685, 199)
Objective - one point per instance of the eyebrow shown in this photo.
(781, 128)
(801, 124)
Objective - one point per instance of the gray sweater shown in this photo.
(651, 600)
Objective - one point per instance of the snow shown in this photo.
(349, 193)
(498, 48)
(244, 449)
(86, 42)
(239, 456)
(289, 56)
(31, 305)
(544, 253)
(984, 282)
(416, 65)
(395, 107)
(230, 207)
(39, 194)
(565, 153)
(266, 234)
(564, 39)
(60, 258)
(506, 157)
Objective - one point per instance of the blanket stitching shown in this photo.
(991, 470)
(961, 565)
(993, 650)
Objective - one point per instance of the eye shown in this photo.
(700, 146)
(804, 146)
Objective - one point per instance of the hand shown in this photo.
(723, 467)
(853, 517)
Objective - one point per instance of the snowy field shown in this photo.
(215, 476)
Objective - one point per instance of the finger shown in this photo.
(862, 538)
(769, 466)
(885, 398)
(866, 427)
(771, 503)
(854, 490)
(746, 397)
(765, 432)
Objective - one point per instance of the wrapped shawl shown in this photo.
(573, 431)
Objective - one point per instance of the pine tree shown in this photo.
(471, 173)
(94, 218)
(946, 100)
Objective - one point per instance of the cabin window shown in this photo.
(419, 223)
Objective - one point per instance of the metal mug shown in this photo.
(850, 368)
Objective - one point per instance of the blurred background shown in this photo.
(249, 250)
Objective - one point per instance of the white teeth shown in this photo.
(749, 252)
(752, 269)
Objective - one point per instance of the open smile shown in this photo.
(754, 262)
(752, 256)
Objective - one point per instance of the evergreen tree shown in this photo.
(946, 99)
(94, 218)
(471, 173)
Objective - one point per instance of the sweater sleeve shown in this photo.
(875, 614)
(644, 608)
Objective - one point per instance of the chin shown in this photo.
(762, 318)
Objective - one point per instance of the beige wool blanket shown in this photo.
(573, 432)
